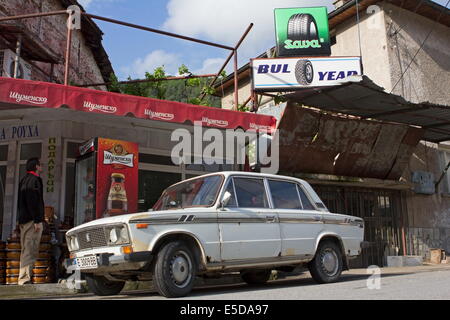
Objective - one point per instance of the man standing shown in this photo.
(31, 216)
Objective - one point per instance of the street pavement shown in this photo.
(408, 283)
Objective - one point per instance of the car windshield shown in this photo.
(200, 192)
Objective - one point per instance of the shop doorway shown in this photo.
(382, 213)
(3, 166)
(26, 150)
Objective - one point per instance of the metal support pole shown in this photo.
(68, 47)
(17, 58)
(156, 31)
(236, 88)
(229, 57)
(52, 66)
(33, 15)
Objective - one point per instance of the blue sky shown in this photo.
(132, 52)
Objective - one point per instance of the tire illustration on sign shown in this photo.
(302, 26)
(304, 72)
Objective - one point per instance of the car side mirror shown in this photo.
(226, 198)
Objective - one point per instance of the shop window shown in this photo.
(151, 186)
(69, 203)
(2, 194)
(204, 167)
(30, 150)
(72, 150)
(155, 159)
(4, 152)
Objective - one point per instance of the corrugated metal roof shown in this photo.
(367, 100)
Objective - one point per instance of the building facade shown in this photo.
(43, 44)
(405, 48)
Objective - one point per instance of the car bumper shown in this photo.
(112, 260)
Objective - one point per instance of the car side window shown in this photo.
(307, 205)
(284, 195)
(230, 188)
(250, 193)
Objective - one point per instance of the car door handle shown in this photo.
(317, 218)
(271, 219)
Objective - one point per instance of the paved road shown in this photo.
(404, 284)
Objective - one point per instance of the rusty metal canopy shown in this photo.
(367, 100)
(315, 142)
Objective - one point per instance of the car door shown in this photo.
(300, 222)
(248, 227)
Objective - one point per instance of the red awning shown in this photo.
(26, 93)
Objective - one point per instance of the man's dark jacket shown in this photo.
(31, 199)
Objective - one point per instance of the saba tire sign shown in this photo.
(287, 74)
(302, 31)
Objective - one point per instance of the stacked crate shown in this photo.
(42, 270)
(2, 263)
(12, 259)
(42, 265)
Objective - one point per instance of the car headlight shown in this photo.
(74, 246)
(118, 235)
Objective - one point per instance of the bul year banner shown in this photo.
(117, 177)
(302, 31)
(289, 74)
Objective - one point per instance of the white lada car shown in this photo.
(213, 224)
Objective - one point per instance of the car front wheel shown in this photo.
(326, 267)
(174, 270)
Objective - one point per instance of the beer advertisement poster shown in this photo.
(302, 32)
(117, 177)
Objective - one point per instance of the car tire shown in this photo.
(256, 277)
(101, 286)
(304, 72)
(174, 270)
(326, 267)
(302, 26)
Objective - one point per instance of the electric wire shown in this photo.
(421, 46)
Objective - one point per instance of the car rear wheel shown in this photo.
(174, 270)
(256, 277)
(103, 287)
(326, 267)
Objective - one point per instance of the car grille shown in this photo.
(92, 238)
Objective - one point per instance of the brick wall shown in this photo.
(51, 33)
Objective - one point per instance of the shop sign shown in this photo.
(19, 132)
(51, 164)
(296, 73)
(302, 31)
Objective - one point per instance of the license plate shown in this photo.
(89, 262)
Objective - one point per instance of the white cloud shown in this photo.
(224, 21)
(211, 65)
(150, 62)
